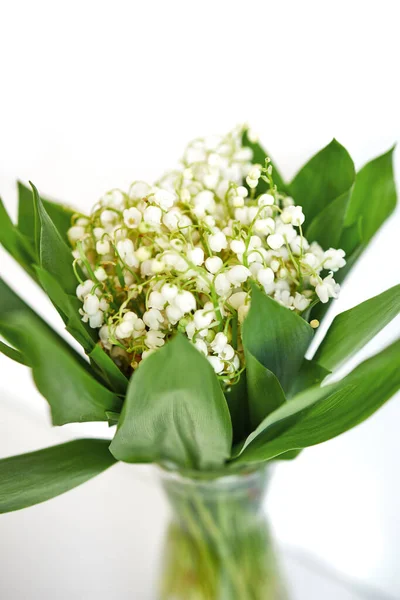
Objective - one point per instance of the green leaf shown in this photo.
(14, 242)
(237, 401)
(277, 337)
(354, 328)
(112, 417)
(351, 240)
(259, 156)
(55, 256)
(29, 479)
(60, 374)
(327, 175)
(74, 394)
(291, 455)
(174, 411)
(115, 379)
(321, 413)
(68, 307)
(309, 375)
(13, 354)
(11, 303)
(264, 391)
(60, 214)
(326, 228)
(374, 195)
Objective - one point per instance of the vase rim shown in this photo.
(171, 473)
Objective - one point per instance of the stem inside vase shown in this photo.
(218, 546)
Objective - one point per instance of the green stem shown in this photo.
(219, 540)
(218, 547)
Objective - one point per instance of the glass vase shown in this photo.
(217, 545)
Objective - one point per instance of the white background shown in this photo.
(97, 94)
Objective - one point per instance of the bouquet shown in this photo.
(195, 300)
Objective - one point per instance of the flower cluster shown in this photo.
(182, 255)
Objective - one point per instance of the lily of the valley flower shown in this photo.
(183, 256)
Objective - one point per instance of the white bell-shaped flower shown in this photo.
(238, 274)
(275, 241)
(300, 302)
(76, 233)
(171, 219)
(334, 259)
(96, 320)
(227, 353)
(237, 246)
(152, 215)
(185, 301)
(153, 318)
(139, 189)
(84, 288)
(327, 288)
(293, 214)
(265, 276)
(216, 363)
(91, 304)
(213, 264)
(222, 284)
(156, 300)
(203, 318)
(219, 342)
(201, 346)
(266, 200)
(173, 314)
(154, 339)
(169, 292)
(132, 217)
(103, 247)
(124, 329)
(196, 256)
(217, 241)
(164, 199)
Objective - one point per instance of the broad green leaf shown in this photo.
(309, 375)
(277, 337)
(264, 391)
(29, 479)
(374, 195)
(13, 354)
(327, 175)
(71, 391)
(60, 214)
(11, 303)
(291, 455)
(326, 228)
(351, 239)
(354, 328)
(174, 411)
(55, 256)
(321, 413)
(14, 242)
(259, 156)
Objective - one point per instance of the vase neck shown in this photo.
(223, 497)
